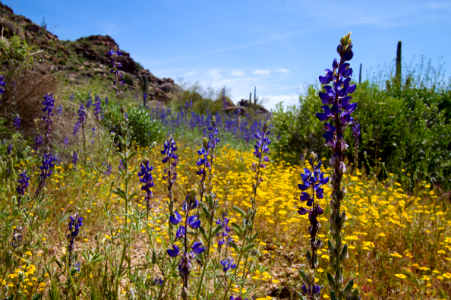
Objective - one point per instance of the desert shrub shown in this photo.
(409, 135)
(128, 79)
(143, 130)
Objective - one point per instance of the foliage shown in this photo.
(142, 129)
(409, 132)
(128, 79)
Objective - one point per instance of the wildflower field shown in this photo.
(202, 208)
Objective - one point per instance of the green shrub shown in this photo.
(143, 130)
(128, 79)
(404, 132)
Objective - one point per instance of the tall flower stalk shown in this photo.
(171, 158)
(312, 180)
(194, 248)
(338, 109)
(146, 179)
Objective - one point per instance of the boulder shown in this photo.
(9, 29)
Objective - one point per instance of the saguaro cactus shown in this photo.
(360, 74)
(143, 81)
(255, 96)
(398, 64)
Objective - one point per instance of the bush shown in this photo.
(128, 79)
(409, 135)
(143, 131)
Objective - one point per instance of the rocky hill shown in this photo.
(86, 57)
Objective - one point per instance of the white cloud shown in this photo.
(283, 70)
(215, 74)
(261, 72)
(189, 73)
(238, 73)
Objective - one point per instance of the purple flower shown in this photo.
(38, 142)
(60, 109)
(48, 103)
(147, 180)
(98, 107)
(227, 264)
(77, 127)
(175, 252)
(23, 184)
(89, 102)
(47, 167)
(71, 97)
(75, 160)
(108, 170)
(66, 142)
(17, 122)
(9, 149)
(2, 84)
(81, 114)
(75, 223)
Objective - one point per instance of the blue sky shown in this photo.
(279, 46)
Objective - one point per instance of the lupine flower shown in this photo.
(2, 84)
(158, 281)
(312, 180)
(193, 222)
(338, 109)
(98, 107)
(108, 170)
(106, 100)
(227, 264)
(60, 109)
(121, 165)
(66, 142)
(115, 53)
(236, 298)
(71, 97)
(75, 160)
(23, 184)
(47, 167)
(48, 103)
(223, 234)
(74, 228)
(89, 102)
(9, 149)
(147, 180)
(17, 122)
(81, 114)
(77, 127)
(38, 142)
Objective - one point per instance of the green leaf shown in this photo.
(332, 296)
(216, 230)
(332, 284)
(238, 227)
(248, 247)
(204, 234)
(254, 237)
(240, 211)
(235, 247)
(303, 275)
(347, 290)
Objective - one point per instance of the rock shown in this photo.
(5, 40)
(33, 28)
(42, 68)
(9, 29)
(102, 40)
